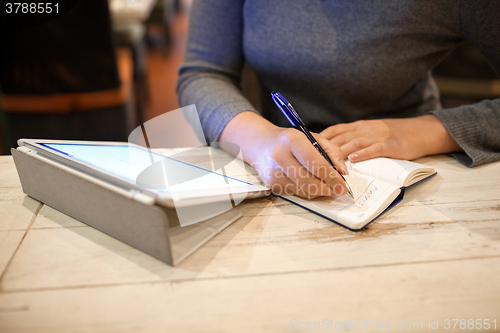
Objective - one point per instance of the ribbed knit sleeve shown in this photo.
(476, 128)
(210, 74)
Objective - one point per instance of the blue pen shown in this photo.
(294, 119)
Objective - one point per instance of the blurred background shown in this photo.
(97, 69)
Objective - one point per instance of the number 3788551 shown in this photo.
(31, 8)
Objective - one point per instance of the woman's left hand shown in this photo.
(407, 138)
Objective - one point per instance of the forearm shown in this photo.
(434, 136)
(476, 128)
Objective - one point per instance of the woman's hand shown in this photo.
(285, 159)
(406, 139)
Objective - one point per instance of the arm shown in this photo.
(476, 127)
(285, 159)
(470, 131)
(210, 73)
(407, 139)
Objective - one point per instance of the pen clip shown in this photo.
(287, 109)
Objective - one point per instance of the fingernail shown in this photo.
(353, 157)
(345, 171)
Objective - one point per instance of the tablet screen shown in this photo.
(130, 162)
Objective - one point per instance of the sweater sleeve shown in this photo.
(476, 128)
(210, 74)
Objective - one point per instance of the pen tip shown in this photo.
(349, 192)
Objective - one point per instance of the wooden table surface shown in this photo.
(435, 257)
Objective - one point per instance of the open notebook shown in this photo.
(377, 185)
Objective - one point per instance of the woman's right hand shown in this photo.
(285, 159)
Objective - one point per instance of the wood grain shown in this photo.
(435, 256)
(405, 293)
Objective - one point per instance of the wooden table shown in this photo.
(436, 256)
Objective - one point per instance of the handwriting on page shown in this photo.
(366, 197)
(365, 192)
(371, 197)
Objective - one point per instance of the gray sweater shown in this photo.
(340, 61)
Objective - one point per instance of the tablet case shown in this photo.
(132, 218)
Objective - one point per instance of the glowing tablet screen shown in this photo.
(138, 165)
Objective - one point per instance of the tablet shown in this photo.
(172, 183)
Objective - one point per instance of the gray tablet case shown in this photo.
(131, 218)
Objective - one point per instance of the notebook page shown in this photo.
(398, 172)
(372, 196)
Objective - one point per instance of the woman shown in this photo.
(358, 71)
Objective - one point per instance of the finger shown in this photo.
(307, 183)
(372, 151)
(309, 191)
(334, 152)
(283, 185)
(308, 157)
(355, 145)
(344, 138)
(338, 129)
